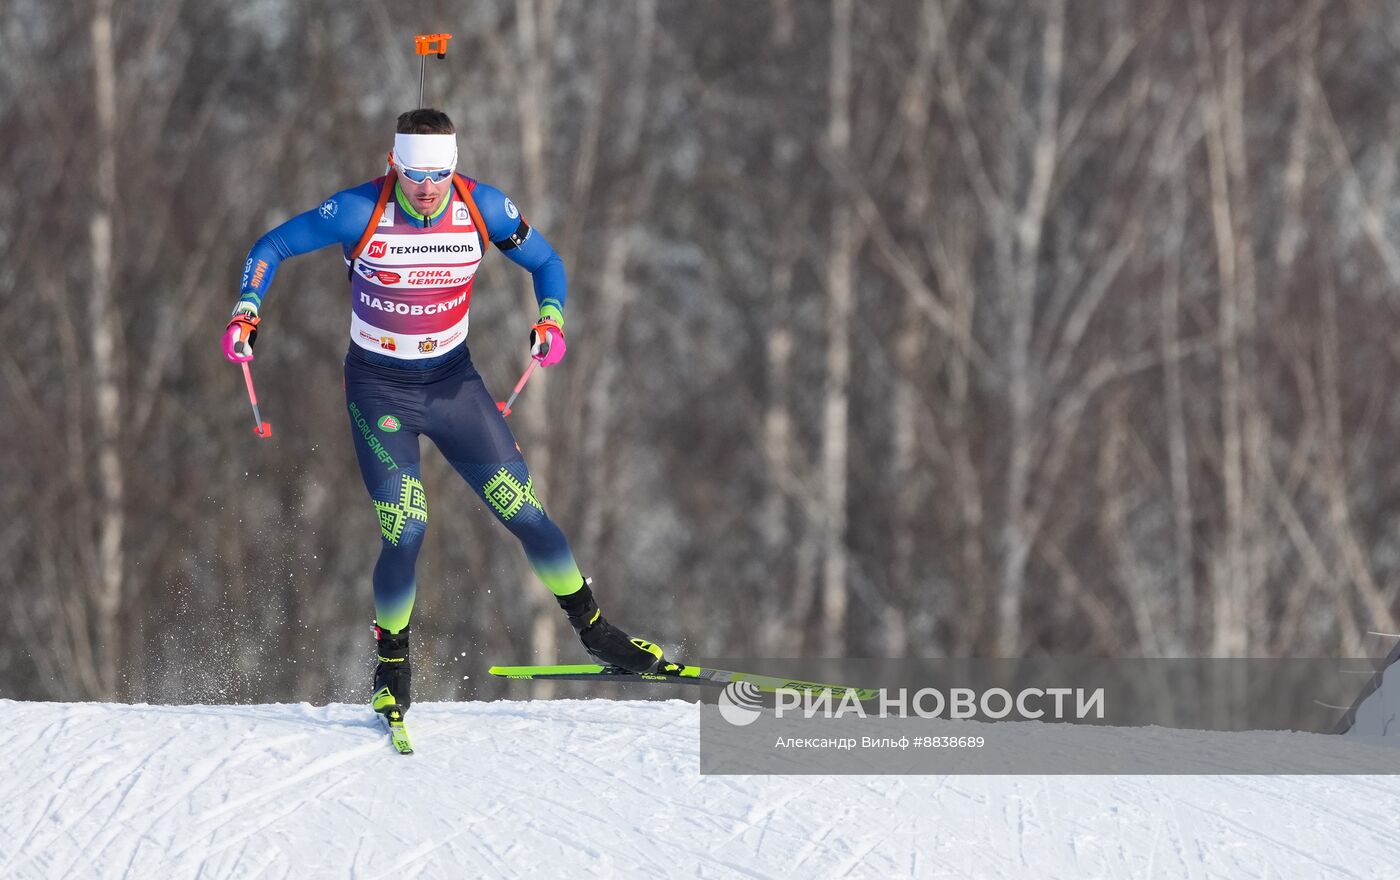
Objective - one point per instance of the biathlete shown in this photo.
(412, 241)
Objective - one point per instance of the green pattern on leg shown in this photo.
(507, 495)
(411, 504)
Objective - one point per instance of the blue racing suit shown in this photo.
(413, 282)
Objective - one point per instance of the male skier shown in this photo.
(412, 242)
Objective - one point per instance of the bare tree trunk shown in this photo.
(1332, 478)
(1257, 442)
(777, 531)
(1230, 636)
(615, 292)
(533, 32)
(1116, 491)
(909, 349)
(1183, 549)
(106, 335)
(840, 283)
(903, 589)
(1017, 537)
(967, 489)
(779, 632)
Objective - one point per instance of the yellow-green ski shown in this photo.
(398, 734)
(679, 673)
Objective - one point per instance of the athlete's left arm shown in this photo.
(525, 247)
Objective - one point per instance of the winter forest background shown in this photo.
(895, 328)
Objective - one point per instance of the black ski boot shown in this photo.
(605, 642)
(392, 677)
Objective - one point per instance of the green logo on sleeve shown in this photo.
(389, 424)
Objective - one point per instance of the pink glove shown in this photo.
(239, 336)
(547, 343)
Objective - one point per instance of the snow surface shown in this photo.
(602, 788)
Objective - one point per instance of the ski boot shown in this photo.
(393, 676)
(609, 645)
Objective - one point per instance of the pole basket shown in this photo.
(431, 44)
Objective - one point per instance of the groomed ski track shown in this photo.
(600, 788)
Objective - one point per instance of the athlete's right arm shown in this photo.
(340, 219)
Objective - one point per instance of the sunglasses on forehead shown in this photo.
(417, 176)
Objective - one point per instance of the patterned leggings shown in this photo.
(389, 408)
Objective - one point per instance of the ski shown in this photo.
(398, 734)
(678, 673)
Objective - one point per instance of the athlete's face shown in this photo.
(427, 196)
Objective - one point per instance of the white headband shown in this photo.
(428, 152)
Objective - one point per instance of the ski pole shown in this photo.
(425, 45)
(505, 405)
(261, 428)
